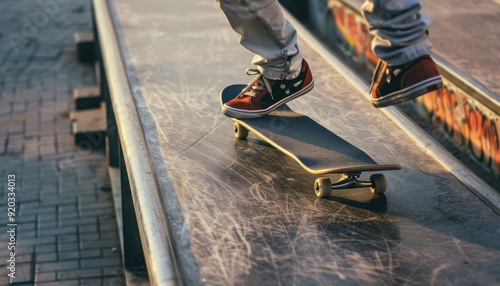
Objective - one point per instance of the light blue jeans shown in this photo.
(399, 29)
(264, 31)
(398, 26)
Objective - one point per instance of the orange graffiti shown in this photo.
(366, 39)
(475, 125)
(495, 140)
(465, 124)
(355, 32)
(486, 141)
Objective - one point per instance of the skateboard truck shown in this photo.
(323, 186)
(314, 147)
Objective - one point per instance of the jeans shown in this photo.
(398, 27)
(264, 31)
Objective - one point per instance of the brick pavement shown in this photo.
(66, 232)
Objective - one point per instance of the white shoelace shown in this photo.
(251, 89)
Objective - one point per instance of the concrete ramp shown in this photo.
(242, 213)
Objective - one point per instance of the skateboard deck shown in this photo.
(318, 150)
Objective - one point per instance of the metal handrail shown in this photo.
(163, 267)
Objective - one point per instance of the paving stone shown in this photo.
(5, 108)
(100, 262)
(114, 281)
(112, 271)
(46, 257)
(71, 246)
(67, 209)
(24, 227)
(58, 231)
(54, 200)
(78, 221)
(60, 283)
(40, 210)
(79, 273)
(67, 238)
(97, 212)
(14, 148)
(68, 255)
(58, 266)
(25, 258)
(48, 149)
(111, 251)
(19, 106)
(91, 282)
(85, 245)
(16, 128)
(91, 253)
(87, 228)
(92, 236)
(45, 248)
(45, 277)
(60, 207)
(48, 224)
(24, 273)
(107, 225)
(27, 234)
(37, 240)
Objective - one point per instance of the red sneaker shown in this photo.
(395, 84)
(263, 95)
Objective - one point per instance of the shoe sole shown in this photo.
(409, 93)
(250, 114)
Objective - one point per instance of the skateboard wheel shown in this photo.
(323, 187)
(240, 132)
(379, 183)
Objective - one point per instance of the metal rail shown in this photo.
(136, 166)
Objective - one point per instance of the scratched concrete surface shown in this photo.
(244, 213)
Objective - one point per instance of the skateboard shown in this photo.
(312, 146)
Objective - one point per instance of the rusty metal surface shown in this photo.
(244, 213)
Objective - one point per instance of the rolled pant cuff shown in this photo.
(407, 56)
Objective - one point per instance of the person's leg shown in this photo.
(264, 31)
(282, 73)
(400, 40)
(399, 30)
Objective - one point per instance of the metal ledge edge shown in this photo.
(452, 165)
(157, 242)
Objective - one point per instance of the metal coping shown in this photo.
(156, 237)
(456, 168)
(471, 86)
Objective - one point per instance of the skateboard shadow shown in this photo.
(361, 198)
(375, 203)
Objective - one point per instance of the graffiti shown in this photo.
(355, 42)
(471, 126)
